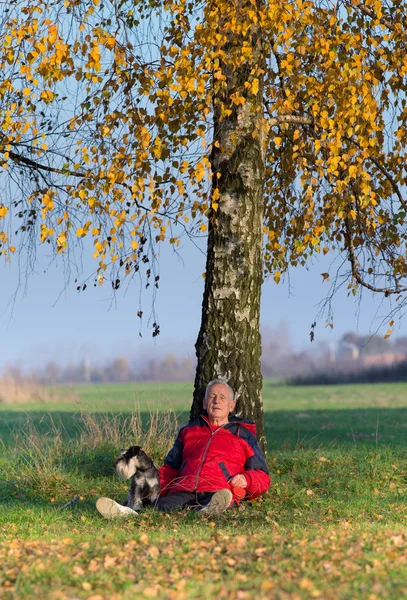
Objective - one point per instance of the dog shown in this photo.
(145, 480)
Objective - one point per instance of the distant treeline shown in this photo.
(120, 370)
(354, 358)
(376, 374)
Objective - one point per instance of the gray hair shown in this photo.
(223, 382)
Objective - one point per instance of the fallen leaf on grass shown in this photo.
(151, 592)
(110, 561)
(78, 570)
(267, 585)
(398, 540)
(153, 551)
(93, 566)
(241, 541)
(86, 586)
(306, 584)
(181, 584)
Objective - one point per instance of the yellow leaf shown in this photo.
(277, 276)
(3, 211)
(255, 86)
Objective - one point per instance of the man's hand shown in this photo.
(238, 481)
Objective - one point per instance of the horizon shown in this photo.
(48, 318)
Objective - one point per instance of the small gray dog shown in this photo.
(145, 482)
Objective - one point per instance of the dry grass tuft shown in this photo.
(155, 436)
(25, 391)
(44, 457)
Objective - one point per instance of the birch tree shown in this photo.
(277, 129)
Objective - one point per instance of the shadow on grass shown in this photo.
(323, 429)
(336, 464)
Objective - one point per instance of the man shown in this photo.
(213, 459)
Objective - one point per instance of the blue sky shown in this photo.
(51, 320)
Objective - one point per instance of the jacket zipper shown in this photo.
(206, 451)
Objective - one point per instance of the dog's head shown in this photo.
(131, 460)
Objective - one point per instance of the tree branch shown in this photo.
(355, 269)
(385, 172)
(32, 164)
(281, 119)
(28, 162)
(366, 10)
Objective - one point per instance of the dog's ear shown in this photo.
(123, 451)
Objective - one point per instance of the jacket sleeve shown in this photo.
(172, 463)
(256, 471)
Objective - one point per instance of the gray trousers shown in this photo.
(177, 500)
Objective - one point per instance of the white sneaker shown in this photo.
(220, 502)
(112, 510)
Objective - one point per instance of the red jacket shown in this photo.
(204, 458)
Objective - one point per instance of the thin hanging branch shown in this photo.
(355, 268)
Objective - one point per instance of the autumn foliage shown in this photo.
(106, 114)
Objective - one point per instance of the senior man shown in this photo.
(212, 459)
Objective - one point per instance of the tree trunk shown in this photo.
(229, 343)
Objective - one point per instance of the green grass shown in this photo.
(307, 416)
(334, 524)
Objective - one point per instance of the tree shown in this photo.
(278, 127)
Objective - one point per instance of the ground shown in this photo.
(334, 524)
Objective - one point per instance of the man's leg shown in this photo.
(175, 501)
(207, 503)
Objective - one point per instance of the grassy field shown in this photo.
(333, 525)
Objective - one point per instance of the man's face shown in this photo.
(218, 404)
